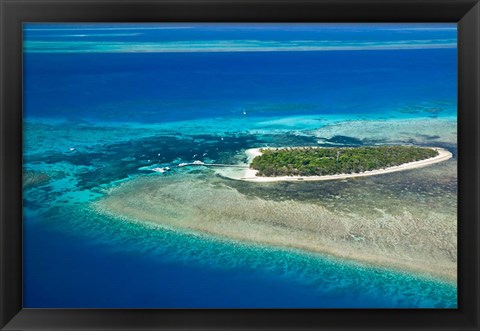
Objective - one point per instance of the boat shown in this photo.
(160, 170)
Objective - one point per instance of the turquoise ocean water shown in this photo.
(104, 102)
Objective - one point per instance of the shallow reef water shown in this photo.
(105, 105)
(78, 179)
(315, 281)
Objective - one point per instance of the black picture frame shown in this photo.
(16, 12)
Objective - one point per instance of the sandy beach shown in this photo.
(250, 175)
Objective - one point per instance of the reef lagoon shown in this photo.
(106, 104)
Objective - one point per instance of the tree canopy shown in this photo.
(314, 161)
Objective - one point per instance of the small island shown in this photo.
(329, 163)
(311, 161)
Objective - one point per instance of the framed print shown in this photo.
(257, 165)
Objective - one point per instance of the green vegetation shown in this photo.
(312, 161)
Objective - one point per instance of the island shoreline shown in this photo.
(250, 174)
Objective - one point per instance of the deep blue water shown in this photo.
(105, 264)
(159, 87)
(82, 274)
(74, 268)
(169, 87)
